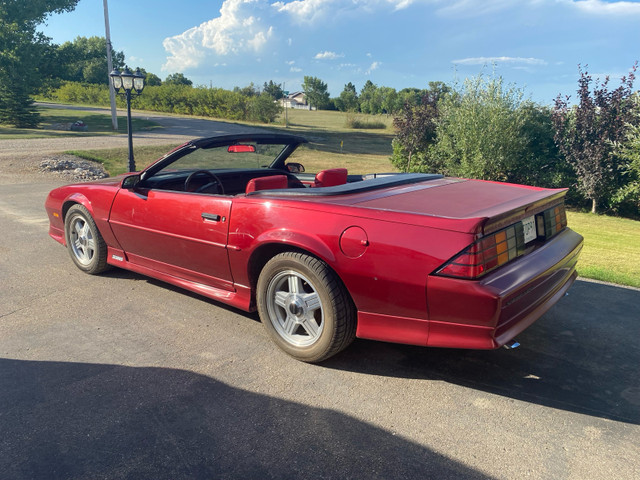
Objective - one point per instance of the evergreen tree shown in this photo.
(24, 56)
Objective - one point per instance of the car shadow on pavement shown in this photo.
(583, 356)
(74, 420)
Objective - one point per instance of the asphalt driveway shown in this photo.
(120, 376)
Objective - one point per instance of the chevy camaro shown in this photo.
(418, 259)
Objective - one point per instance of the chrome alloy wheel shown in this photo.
(295, 309)
(83, 244)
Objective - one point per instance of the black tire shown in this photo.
(84, 242)
(304, 306)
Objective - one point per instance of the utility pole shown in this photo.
(112, 93)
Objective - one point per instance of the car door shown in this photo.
(178, 233)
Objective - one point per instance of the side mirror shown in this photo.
(131, 182)
(294, 167)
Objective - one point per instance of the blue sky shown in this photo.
(535, 44)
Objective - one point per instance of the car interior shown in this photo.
(251, 166)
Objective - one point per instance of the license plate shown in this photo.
(529, 226)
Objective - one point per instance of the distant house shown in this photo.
(296, 100)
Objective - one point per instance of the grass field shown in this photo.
(333, 144)
(97, 123)
(611, 250)
(612, 245)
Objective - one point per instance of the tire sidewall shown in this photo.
(284, 262)
(78, 211)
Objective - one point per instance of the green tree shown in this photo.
(316, 92)
(387, 100)
(249, 91)
(415, 131)
(368, 98)
(150, 79)
(408, 95)
(24, 55)
(85, 60)
(263, 108)
(586, 134)
(627, 198)
(178, 79)
(479, 131)
(541, 163)
(273, 89)
(348, 99)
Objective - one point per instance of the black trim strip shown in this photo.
(355, 187)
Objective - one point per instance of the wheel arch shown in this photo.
(265, 252)
(76, 199)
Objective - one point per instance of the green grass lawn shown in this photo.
(98, 124)
(332, 143)
(611, 250)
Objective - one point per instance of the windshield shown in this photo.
(226, 157)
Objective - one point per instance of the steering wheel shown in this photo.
(214, 181)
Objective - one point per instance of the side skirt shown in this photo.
(239, 298)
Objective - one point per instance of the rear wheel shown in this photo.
(84, 242)
(305, 307)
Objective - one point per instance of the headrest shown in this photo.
(267, 183)
(331, 177)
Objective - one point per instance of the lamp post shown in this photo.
(128, 81)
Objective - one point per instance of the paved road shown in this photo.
(174, 130)
(119, 376)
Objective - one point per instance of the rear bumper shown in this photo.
(489, 313)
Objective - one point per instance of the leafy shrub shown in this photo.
(177, 98)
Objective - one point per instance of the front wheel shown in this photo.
(84, 242)
(305, 307)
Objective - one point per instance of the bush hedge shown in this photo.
(182, 99)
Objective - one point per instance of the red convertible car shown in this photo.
(419, 259)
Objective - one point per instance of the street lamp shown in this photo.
(128, 81)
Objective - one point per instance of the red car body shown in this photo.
(397, 243)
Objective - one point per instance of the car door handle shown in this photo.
(210, 216)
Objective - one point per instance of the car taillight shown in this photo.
(498, 248)
(551, 221)
(486, 254)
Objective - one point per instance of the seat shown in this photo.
(330, 177)
(272, 182)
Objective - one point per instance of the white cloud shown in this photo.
(310, 11)
(295, 69)
(373, 66)
(473, 8)
(328, 55)
(248, 26)
(598, 7)
(236, 30)
(489, 60)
